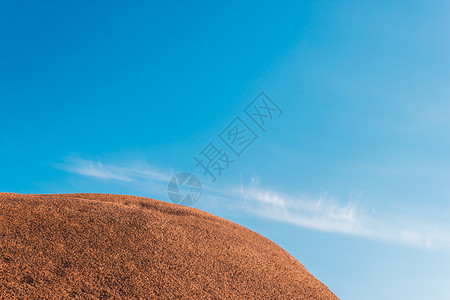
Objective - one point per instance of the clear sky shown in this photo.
(352, 178)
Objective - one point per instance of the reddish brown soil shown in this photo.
(94, 246)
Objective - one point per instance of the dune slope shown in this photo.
(97, 246)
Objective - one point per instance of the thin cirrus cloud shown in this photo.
(323, 213)
(328, 215)
(99, 170)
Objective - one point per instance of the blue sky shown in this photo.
(352, 179)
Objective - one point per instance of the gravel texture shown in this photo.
(99, 246)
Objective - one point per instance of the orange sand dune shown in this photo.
(95, 246)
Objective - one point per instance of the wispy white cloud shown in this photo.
(324, 213)
(328, 214)
(99, 170)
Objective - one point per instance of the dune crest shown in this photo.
(99, 246)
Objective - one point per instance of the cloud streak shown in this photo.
(327, 214)
(99, 170)
(323, 213)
